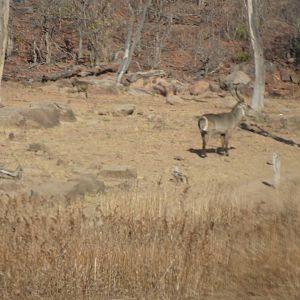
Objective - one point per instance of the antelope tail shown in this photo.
(203, 123)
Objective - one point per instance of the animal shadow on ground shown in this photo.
(199, 152)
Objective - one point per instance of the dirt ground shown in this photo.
(155, 139)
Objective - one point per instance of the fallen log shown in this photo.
(254, 128)
(59, 75)
(100, 70)
(79, 71)
(133, 77)
(17, 174)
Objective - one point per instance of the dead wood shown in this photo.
(17, 174)
(133, 77)
(258, 130)
(79, 71)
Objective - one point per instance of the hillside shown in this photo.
(186, 39)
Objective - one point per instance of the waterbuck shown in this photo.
(222, 124)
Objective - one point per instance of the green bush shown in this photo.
(242, 31)
(242, 56)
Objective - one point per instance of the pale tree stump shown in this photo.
(276, 170)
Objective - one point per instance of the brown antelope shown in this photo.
(222, 124)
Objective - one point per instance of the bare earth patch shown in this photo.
(219, 234)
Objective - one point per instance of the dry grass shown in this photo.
(131, 248)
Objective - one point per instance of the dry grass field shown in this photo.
(224, 235)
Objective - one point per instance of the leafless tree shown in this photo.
(94, 22)
(138, 11)
(259, 85)
(4, 14)
(79, 12)
(162, 19)
(48, 22)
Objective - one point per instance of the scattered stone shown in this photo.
(118, 172)
(72, 189)
(11, 136)
(214, 87)
(37, 115)
(295, 78)
(103, 113)
(199, 87)
(285, 75)
(60, 162)
(66, 114)
(270, 67)
(105, 86)
(278, 93)
(157, 120)
(236, 78)
(173, 100)
(123, 110)
(39, 148)
(36, 147)
(161, 88)
(139, 91)
(178, 157)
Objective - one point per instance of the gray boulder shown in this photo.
(37, 115)
(104, 86)
(123, 110)
(236, 78)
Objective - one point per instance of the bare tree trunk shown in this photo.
(126, 57)
(157, 50)
(4, 14)
(48, 47)
(259, 85)
(131, 42)
(34, 54)
(80, 43)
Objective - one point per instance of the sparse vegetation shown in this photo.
(242, 56)
(242, 31)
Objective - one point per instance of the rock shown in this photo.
(123, 110)
(177, 87)
(178, 157)
(295, 78)
(157, 120)
(270, 67)
(285, 75)
(36, 147)
(103, 112)
(244, 67)
(161, 88)
(105, 86)
(236, 78)
(278, 93)
(214, 87)
(199, 88)
(173, 100)
(139, 91)
(66, 114)
(75, 188)
(37, 115)
(28, 117)
(11, 136)
(118, 172)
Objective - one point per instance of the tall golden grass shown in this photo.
(216, 247)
